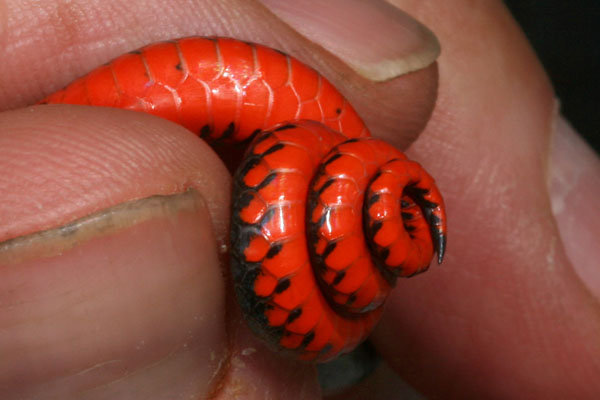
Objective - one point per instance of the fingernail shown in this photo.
(574, 186)
(124, 296)
(376, 39)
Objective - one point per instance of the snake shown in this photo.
(324, 217)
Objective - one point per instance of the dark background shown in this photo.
(566, 36)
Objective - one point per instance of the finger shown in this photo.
(104, 285)
(506, 316)
(78, 36)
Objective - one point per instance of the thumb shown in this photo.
(109, 273)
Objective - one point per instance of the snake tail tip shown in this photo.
(441, 248)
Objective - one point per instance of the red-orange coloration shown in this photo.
(324, 217)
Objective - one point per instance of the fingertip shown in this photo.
(111, 224)
(377, 40)
(66, 162)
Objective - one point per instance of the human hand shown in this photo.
(121, 307)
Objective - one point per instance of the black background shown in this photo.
(566, 37)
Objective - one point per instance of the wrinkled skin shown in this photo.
(129, 305)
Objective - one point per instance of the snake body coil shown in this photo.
(324, 218)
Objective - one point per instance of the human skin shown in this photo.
(127, 304)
